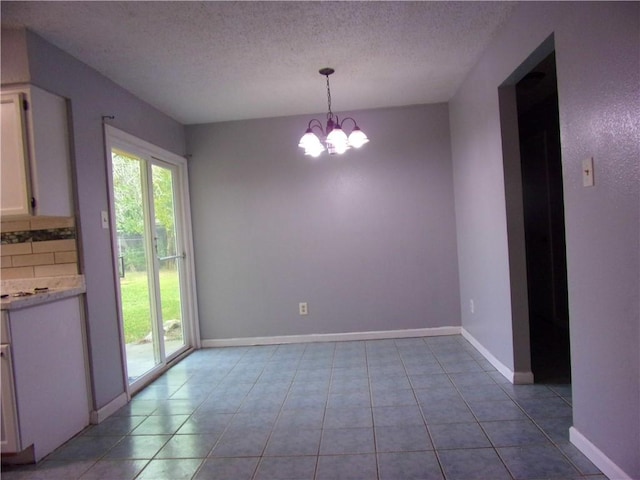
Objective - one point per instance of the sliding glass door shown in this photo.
(169, 256)
(150, 246)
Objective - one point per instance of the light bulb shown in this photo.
(337, 139)
(337, 136)
(357, 138)
(314, 149)
(309, 139)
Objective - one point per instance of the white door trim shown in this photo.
(120, 139)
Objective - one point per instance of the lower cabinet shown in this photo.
(10, 438)
(45, 365)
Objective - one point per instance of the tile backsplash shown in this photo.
(36, 247)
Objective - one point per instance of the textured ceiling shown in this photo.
(202, 62)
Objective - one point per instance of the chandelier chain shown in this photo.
(330, 114)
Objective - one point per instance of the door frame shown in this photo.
(115, 138)
(508, 112)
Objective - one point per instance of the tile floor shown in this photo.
(421, 408)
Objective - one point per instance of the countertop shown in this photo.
(58, 289)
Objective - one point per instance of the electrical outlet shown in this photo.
(472, 306)
(303, 309)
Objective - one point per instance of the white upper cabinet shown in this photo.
(15, 193)
(46, 172)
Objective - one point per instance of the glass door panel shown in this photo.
(169, 257)
(136, 270)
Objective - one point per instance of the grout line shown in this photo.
(454, 386)
(373, 421)
(493, 446)
(204, 460)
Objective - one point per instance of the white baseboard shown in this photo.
(522, 378)
(109, 409)
(330, 337)
(599, 459)
(516, 378)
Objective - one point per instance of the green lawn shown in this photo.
(135, 302)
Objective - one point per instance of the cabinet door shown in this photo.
(49, 373)
(10, 440)
(15, 196)
(50, 169)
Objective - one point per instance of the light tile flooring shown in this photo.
(422, 408)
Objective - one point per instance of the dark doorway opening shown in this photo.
(541, 166)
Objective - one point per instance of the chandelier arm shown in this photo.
(317, 125)
(355, 124)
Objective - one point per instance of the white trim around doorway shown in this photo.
(120, 139)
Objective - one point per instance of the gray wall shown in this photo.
(15, 64)
(91, 96)
(597, 54)
(367, 238)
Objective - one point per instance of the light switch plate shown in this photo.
(587, 172)
(104, 217)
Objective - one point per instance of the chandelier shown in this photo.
(332, 137)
